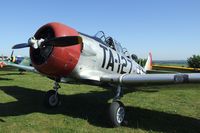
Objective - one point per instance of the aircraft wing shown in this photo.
(160, 71)
(127, 79)
(175, 68)
(24, 67)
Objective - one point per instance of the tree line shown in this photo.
(193, 61)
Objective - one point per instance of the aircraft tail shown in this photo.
(2, 62)
(148, 65)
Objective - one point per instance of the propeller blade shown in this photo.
(12, 53)
(22, 45)
(63, 41)
(12, 57)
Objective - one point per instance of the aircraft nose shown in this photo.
(55, 61)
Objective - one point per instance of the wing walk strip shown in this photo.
(151, 78)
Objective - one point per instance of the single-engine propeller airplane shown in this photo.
(16, 61)
(65, 55)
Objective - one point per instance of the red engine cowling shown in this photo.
(55, 62)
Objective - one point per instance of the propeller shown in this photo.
(22, 45)
(56, 42)
(12, 57)
(12, 53)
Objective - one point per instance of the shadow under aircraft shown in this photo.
(29, 101)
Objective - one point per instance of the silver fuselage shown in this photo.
(97, 60)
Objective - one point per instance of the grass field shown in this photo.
(169, 108)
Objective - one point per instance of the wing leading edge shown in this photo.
(127, 79)
(24, 67)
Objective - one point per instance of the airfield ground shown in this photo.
(170, 108)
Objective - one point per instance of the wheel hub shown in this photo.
(53, 100)
(120, 114)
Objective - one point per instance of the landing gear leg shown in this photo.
(117, 109)
(52, 98)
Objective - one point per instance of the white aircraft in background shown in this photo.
(65, 55)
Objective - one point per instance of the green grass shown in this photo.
(169, 108)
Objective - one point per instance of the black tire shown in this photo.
(116, 113)
(50, 99)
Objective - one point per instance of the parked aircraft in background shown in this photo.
(16, 61)
(2, 57)
(65, 55)
(175, 68)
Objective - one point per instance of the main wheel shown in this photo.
(51, 99)
(116, 113)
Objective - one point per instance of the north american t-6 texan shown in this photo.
(65, 55)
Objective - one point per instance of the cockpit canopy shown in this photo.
(110, 42)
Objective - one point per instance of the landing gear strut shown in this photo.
(117, 109)
(52, 98)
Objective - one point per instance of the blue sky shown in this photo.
(170, 29)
